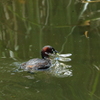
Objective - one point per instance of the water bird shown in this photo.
(40, 64)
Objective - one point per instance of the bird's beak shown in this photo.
(56, 52)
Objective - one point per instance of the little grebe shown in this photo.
(40, 64)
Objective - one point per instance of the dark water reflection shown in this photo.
(70, 27)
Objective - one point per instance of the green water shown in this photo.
(70, 26)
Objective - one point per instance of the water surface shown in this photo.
(70, 27)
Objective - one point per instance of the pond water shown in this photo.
(70, 26)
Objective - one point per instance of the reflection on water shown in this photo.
(61, 70)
